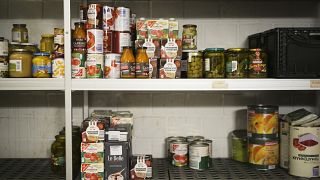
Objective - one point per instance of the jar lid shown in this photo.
(15, 43)
(189, 26)
(41, 54)
(255, 49)
(236, 49)
(214, 49)
(47, 35)
(27, 44)
(23, 25)
(172, 19)
(78, 23)
(20, 50)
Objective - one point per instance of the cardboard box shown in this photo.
(92, 152)
(141, 167)
(92, 171)
(170, 69)
(158, 29)
(171, 48)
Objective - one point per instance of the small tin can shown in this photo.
(108, 18)
(58, 68)
(121, 39)
(94, 41)
(78, 60)
(171, 138)
(179, 153)
(239, 145)
(122, 19)
(94, 14)
(190, 139)
(4, 67)
(4, 47)
(107, 41)
(94, 65)
(199, 158)
(209, 142)
(112, 66)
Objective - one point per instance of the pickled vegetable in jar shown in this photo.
(189, 37)
(58, 155)
(257, 63)
(236, 63)
(19, 33)
(142, 63)
(214, 63)
(47, 43)
(20, 63)
(194, 60)
(127, 63)
(41, 65)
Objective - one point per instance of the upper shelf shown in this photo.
(194, 84)
(31, 84)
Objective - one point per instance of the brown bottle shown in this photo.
(127, 63)
(142, 63)
(79, 42)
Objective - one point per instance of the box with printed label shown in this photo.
(92, 171)
(141, 167)
(121, 132)
(171, 48)
(92, 152)
(93, 129)
(121, 117)
(153, 47)
(170, 68)
(158, 29)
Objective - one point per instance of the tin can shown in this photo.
(209, 142)
(120, 40)
(122, 19)
(263, 153)
(58, 68)
(304, 151)
(190, 139)
(107, 41)
(199, 156)
(94, 65)
(4, 47)
(94, 41)
(108, 18)
(179, 153)
(172, 138)
(263, 121)
(284, 143)
(94, 14)
(4, 67)
(112, 66)
(239, 145)
(78, 65)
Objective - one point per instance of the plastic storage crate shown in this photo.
(292, 52)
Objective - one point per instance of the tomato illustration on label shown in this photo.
(91, 40)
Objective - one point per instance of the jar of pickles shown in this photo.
(19, 33)
(30, 46)
(58, 155)
(194, 60)
(47, 43)
(237, 63)
(189, 37)
(214, 63)
(41, 65)
(257, 63)
(20, 63)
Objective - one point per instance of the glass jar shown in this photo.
(79, 42)
(58, 155)
(41, 65)
(20, 64)
(19, 33)
(237, 63)
(142, 63)
(13, 46)
(257, 63)
(214, 63)
(4, 67)
(194, 69)
(30, 46)
(47, 43)
(127, 63)
(189, 37)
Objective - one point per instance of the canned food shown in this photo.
(4, 67)
(58, 68)
(13, 46)
(107, 41)
(263, 153)
(122, 19)
(94, 14)
(4, 47)
(239, 145)
(189, 37)
(236, 63)
(304, 151)
(108, 18)
(78, 65)
(120, 40)
(194, 69)
(214, 63)
(190, 139)
(209, 142)
(112, 66)
(263, 121)
(284, 143)
(257, 63)
(94, 65)
(94, 41)
(199, 156)
(179, 153)
(172, 138)
(41, 65)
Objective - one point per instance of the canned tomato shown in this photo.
(94, 65)
(199, 158)
(94, 41)
(78, 65)
(121, 39)
(179, 153)
(4, 47)
(263, 153)
(108, 18)
(107, 41)
(122, 19)
(190, 139)
(304, 151)
(239, 145)
(263, 121)
(112, 66)
(172, 138)
(58, 68)
(94, 14)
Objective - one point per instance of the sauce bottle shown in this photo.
(79, 42)
(142, 63)
(127, 63)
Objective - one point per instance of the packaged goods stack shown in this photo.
(4, 53)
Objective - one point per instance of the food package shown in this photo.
(153, 68)
(121, 132)
(93, 130)
(158, 29)
(171, 48)
(92, 171)
(141, 167)
(121, 117)
(92, 152)
(170, 68)
(300, 117)
(141, 28)
(153, 47)
(173, 29)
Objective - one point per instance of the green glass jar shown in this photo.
(214, 63)
(237, 63)
(30, 46)
(194, 68)
(19, 33)
(257, 63)
(58, 155)
(189, 37)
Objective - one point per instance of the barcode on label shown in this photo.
(234, 66)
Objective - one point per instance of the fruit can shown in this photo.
(122, 19)
(94, 65)
(78, 60)
(94, 41)
(94, 14)
(112, 66)
(239, 145)
(107, 41)
(58, 68)
(108, 18)
(179, 153)
(199, 158)
(304, 151)
(263, 121)
(263, 153)
(120, 40)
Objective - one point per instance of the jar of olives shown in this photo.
(189, 37)
(194, 60)
(214, 63)
(237, 63)
(58, 155)
(257, 63)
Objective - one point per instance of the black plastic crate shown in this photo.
(292, 52)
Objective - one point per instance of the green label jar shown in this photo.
(214, 63)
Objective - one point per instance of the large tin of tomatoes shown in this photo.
(112, 66)
(94, 41)
(78, 60)
(94, 14)
(108, 18)
(92, 152)
(94, 65)
(179, 153)
(168, 140)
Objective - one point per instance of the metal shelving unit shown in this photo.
(31, 84)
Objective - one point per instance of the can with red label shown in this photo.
(179, 153)
(122, 19)
(94, 41)
(112, 66)
(107, 41)
(94, 65)
(108, 18)
(120, 40)
(78, 60)
(94, 14)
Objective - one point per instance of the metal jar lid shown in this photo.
(214, 50)
(189, 26)
(41, 54)
(21, 50)
(260, 108)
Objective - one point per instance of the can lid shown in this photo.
(239, 133)
(189, 26)
(260, 108)
(181, 141)
(47, 35)
(27, 44)
(214, 49)
(199, 144)
(41, 54)
(208, 141)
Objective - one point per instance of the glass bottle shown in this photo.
(79, 36)
(58, 155)
(142, 63)
(127, 63)
(47, 43)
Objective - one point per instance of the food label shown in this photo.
(231, 66)
(127, 69)
(92, 14)
(179, 154)
(257, 66)
(59, 39)
(94, 65)
(151, 48)
(171, 49)
(189, 42)
(142, 70)
(170, 69)
(92, 132)
(42, 69)
(124, 40)
(112, 66)
(25, 36)
(78, 65)
(173, 29)
(58, 68)
(4, 48)
(16, 36)
(199, 157)
(122, 19)
(158, 29)
(115, 150)
(15, 65)
(141, 168)
(95, 41)
(262, 123)
(107, 41)
(207, 64)
(141, 27)
(108, 18)
(265, 154)
(4, 69)
(79, 44)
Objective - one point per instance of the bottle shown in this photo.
(127, 63)
(142, 63)
(79, 43)
(83, 11)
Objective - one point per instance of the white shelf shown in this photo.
(31, 84)
(194, 84)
